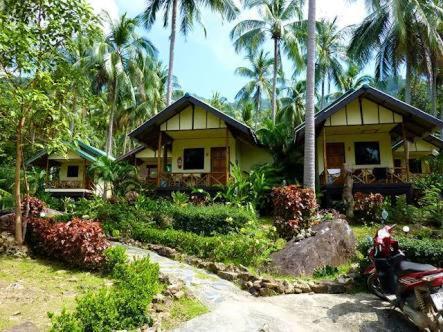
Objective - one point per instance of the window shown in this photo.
(415, 166)
(194, 158)
(367, 153)
(72, 171)
(151, 171)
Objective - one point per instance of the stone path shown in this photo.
(232, 309)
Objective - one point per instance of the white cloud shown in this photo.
(105, 5)
(347, 12)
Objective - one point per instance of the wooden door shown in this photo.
(335, 155)
(218, 166)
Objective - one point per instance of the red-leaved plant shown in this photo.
(368, 207)
(294, 209)
(79, 243)
(36, 206)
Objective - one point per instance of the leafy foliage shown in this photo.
(368, 206)
(36, 206)
(122, 306)
(80, 243)
(295, 208)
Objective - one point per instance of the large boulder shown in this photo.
(7, 222)
(333, 245)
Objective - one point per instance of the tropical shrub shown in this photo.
(294, 209)
(114, 256)
(80, 243)
(426, 251)
(36, 206)
(247, 249)
(120, 307)
(368, 207)
(211, 219)
(431, 207)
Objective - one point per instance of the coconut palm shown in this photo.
(397, 31)
(330, 53)
(351, 78)
(293, 105)
(259, 84)
(114, 55)
(309, 153)
(279, 21)
(189, 12)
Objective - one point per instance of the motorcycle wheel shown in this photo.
(374, 286)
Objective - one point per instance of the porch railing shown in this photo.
(59, 184)
(367, 175)
(189, 180)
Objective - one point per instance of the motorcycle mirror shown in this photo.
(406, 229)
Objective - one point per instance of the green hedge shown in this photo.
(122, 306)
(236, 248)
(207, 220)
(427, 251)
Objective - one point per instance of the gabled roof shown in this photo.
(418, 123)
(84, 150)
(131, 153)
(149, 129)
(431, 139)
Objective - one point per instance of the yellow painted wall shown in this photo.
(414, 155)
(185, 121)
(418, 146)
(64, 170)
(372, 114)
(178, 146)
(249, 156)
(384, 139)
(146, 153)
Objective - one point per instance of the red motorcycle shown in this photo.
(416, 289)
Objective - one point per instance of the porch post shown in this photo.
(227, 154)
(84, 174)
(325, 159)
(165, 157)
(158, 157)
(406, 151)
(47, 171)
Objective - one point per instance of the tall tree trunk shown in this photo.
(17, 193)
(274, 80)
(109, 140)
(171, 52)
(309, 158)
(408, 82)
(257, 110)
(27, 207)
(434, 91)
(322, 94)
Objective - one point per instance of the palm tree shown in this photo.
(293, 105)
(330, 53)
(259, 82)
(114, 55)
(309, 158)
(190, 12)
(351, 78)
(397, 30)
(279, 21)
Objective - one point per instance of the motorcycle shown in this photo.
(416, 289)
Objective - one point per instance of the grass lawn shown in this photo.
(30, 288)
(182, 310)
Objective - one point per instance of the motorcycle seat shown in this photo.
(405, 267)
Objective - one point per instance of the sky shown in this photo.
(204, 66)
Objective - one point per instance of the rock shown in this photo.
(245, 276)
(304, 287)
(297, 291)
(159, 298)
(24, 327)
(266, 292)
(320, 288)
(179, 294)
(174, 288)
(257, 283)
(334, 287)
(231, 276)
(7, 222)
(51, 213)
(215, 267)
(243, 268)
(333, 245)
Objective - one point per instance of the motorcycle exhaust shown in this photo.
(417, 317)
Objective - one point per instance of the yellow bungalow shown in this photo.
(67, 172)
(419, 151)
(357, 132)
(197, 145)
